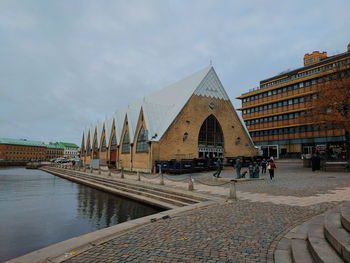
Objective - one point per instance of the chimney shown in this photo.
(314, 57)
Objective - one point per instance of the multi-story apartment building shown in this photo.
(272, 112)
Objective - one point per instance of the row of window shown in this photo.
(298, 129)
(307, 73)
(281, 90)
(280, 117)
(277, 104)
(141, 146)
(295, 86)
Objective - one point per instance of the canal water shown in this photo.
(38, 209)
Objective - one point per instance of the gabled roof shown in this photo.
(108, 129)
(162, 107)
(99, 129)
(86, 135)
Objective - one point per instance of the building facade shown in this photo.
(71, 150)
(272, 112)
(21, 150)
(193, 118)
(54, 150)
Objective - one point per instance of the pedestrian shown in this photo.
(263, 166)
(315, 162)
(271, 167)
(218, 168)
(238, 168)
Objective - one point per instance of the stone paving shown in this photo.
(246, 230)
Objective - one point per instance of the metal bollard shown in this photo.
(122, 173)
(138, 176)
(232, 195)
(161, 179)
(190, 184)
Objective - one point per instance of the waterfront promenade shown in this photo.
(246, 230)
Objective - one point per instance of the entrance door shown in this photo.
(211, 139)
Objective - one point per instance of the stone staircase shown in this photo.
(323, 239)
(149, 193)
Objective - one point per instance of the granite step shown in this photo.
(320, 249)
(300, 252)
(283, 252)
(336, 235)
(345, 216)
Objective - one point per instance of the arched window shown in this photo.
(103, 147)
(95, 146)
(211, 133)
(114, 143)
(142, 141)
(126, 143)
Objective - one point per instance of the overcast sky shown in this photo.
(67, 64)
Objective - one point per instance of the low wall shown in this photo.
(12, 163)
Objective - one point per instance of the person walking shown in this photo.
(271, 167)
(263, 166)
(218, 169)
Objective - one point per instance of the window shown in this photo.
(126, 143)
(141, 145)
(103, 147)
(114, 143)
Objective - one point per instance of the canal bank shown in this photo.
(39, 209)
(177, 201)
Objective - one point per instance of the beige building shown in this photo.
(191, 119)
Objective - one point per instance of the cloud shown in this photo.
(65, 65)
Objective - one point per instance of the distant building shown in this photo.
(21, 150)
(71, 150)
(193, 118)
(271, 112)
(54, 150)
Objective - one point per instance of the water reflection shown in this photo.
(106, 210)
(38, 209)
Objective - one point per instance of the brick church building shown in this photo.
(190, 119)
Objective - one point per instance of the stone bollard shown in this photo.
(91, 170)
(190, 184)
(84, 169)
(109, 173)
(99, 171)
(122, 173)
(161, 179)
(232, 195)
(138, 176)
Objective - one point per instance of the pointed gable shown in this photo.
(211, 87)
(109, 125)
(99, 129)
(162, 107)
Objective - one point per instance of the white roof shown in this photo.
(99, 129)
(108, 129)
(86, 135)
(162, 107)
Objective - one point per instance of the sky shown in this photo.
(65, 65)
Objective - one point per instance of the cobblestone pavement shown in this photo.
(243, 231)
(293, 185)
(227, 232)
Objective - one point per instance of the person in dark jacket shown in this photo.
(218, 168)
(315, 162)
(263, 166)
